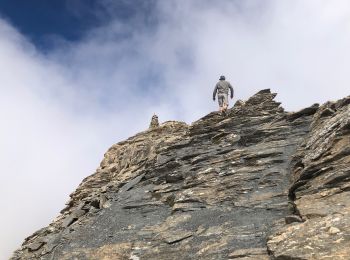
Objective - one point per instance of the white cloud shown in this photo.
(52, 135)
(62, 110)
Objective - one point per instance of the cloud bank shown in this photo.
(61, 110)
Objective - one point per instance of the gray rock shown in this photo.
(293, 218)
(327, 112)
(132, 183)
(174, 177)
(220, 188)
(35, 246)
(177, 237)
(154, 122)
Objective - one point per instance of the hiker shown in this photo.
(222, 88)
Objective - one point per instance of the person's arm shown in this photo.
(231, 88)
(215, 90)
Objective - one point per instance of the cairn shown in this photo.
(154, 122)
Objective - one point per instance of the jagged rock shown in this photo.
(239, 103)
(293, 218)
(74, 216)
(327, 112)
(35, 246)
(249, 253)
(131, 183)
(177, 236)
(333, 230)
(258, 183)
(304, 112)
(174, 177)
(320, 190)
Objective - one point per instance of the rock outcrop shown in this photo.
(257, 183)
(320, 190)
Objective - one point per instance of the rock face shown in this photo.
(320, 190)
(258, 183)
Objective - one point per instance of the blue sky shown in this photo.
(77, 76)
(46, 22)
(40, 20)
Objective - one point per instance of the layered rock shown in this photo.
(320, 190)
(257, 183)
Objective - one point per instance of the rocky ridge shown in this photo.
(258, 183)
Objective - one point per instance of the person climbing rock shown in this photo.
(222, 88)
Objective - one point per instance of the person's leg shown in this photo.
(221, 102)
(225, 102)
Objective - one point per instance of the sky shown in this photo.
(77, 76)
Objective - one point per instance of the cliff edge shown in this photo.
(258, 183)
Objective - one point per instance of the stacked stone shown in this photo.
(154, 122)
